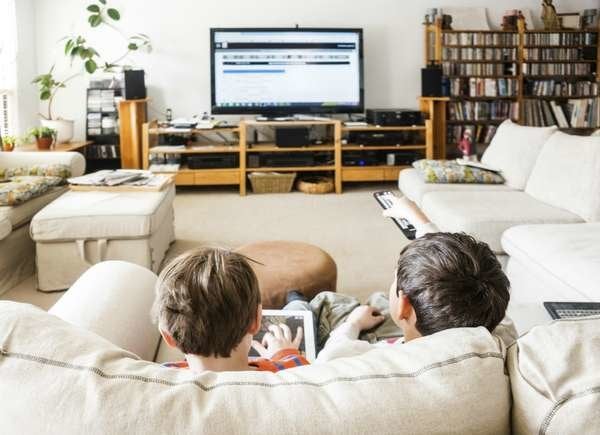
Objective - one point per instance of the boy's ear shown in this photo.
(255, 326)
(168, 338)
(405, 308)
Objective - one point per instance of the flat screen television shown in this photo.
(278, 72)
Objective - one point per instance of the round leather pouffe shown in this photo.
(286, 266)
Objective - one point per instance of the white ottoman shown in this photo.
(80, 229)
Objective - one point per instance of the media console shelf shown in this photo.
(328, 156)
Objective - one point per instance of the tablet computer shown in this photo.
(293, 319)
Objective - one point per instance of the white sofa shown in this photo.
(17, 250)
(545, 218)
(86, 366)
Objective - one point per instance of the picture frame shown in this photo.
(570, 21)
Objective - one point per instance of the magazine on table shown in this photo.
(117, 177)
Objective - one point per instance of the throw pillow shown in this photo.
(514, 150)
(448, 171)
(21, 189)
(46, 170)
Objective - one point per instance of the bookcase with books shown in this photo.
(533, 77)
(102, 127)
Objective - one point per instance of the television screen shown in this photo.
(286, 71)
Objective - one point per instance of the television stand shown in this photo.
(298, 117)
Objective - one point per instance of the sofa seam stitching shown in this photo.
(560, 403)
(207, 388)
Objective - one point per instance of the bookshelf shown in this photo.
(534, 77)
(102, 128)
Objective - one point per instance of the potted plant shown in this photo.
(44, 137)
(9, 143)
(85, 59)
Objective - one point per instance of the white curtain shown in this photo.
(8, 66)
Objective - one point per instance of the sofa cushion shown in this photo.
(5, 227)
(486, 215)
(554, 377)
(22, 213)
(566, 175)
(23, 188)
(451, 172)
(42, 170)
(567, 254)
(98, 215)
(514, 150)
(412, 185)
(75, 380)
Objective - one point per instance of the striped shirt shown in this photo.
(283, 359)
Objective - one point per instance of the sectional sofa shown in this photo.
(90, 365)
(17, 249)
(543, 223)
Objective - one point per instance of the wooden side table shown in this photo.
(62, 147)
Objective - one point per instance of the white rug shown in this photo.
(364, 245)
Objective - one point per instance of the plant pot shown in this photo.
(8, 147)
(44, 143)
(63, 127)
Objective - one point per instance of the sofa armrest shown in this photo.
(18, 159)
(113, 299)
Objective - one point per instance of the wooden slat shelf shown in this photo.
(453, 98)
(292, 169)
(383, 147)
(479, 46)
(333, 145)
(481, 61)
(557, 97)
(272, 148)
(380, 128)
(197, 149)
(172, 131)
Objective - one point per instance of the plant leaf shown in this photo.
(95, 20)
(68, 46)
(90, 66)
(102, 1)
(132, 46)
(45, 95)
(114, 14)
(93, 8)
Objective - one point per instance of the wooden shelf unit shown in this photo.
(238, 175)
(436, 47)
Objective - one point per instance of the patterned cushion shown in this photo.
(52, 170)
(21, 189)
(448, 171)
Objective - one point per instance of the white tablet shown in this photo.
(293, 319)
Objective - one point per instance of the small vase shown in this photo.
(44, 143)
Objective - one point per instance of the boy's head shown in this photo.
(207, 301)
(447, 280)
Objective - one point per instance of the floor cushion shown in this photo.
(554, 377)
(283, 266)
(412, 184)
(486, 215)
(452, 381)
(514, 150)
(569, 255)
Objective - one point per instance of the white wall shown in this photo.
(178, 69)
(27, 104)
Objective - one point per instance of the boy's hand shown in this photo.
(278, 338)
(365, 317)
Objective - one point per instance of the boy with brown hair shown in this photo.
(208, 306)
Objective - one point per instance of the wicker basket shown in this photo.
(272, 182)
(315, 185)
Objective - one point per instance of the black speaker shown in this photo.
(431, 82)
(134, 86)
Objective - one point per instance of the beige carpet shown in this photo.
(348, 226)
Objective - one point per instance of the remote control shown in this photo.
(384, 200)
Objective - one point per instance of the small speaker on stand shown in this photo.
(134, 85)
(431, 81)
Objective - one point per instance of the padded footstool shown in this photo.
(288, 266)
(80, 229)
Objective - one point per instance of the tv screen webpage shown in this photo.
(286, 70)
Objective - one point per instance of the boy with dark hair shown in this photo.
(442, 281)
(208, 306)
